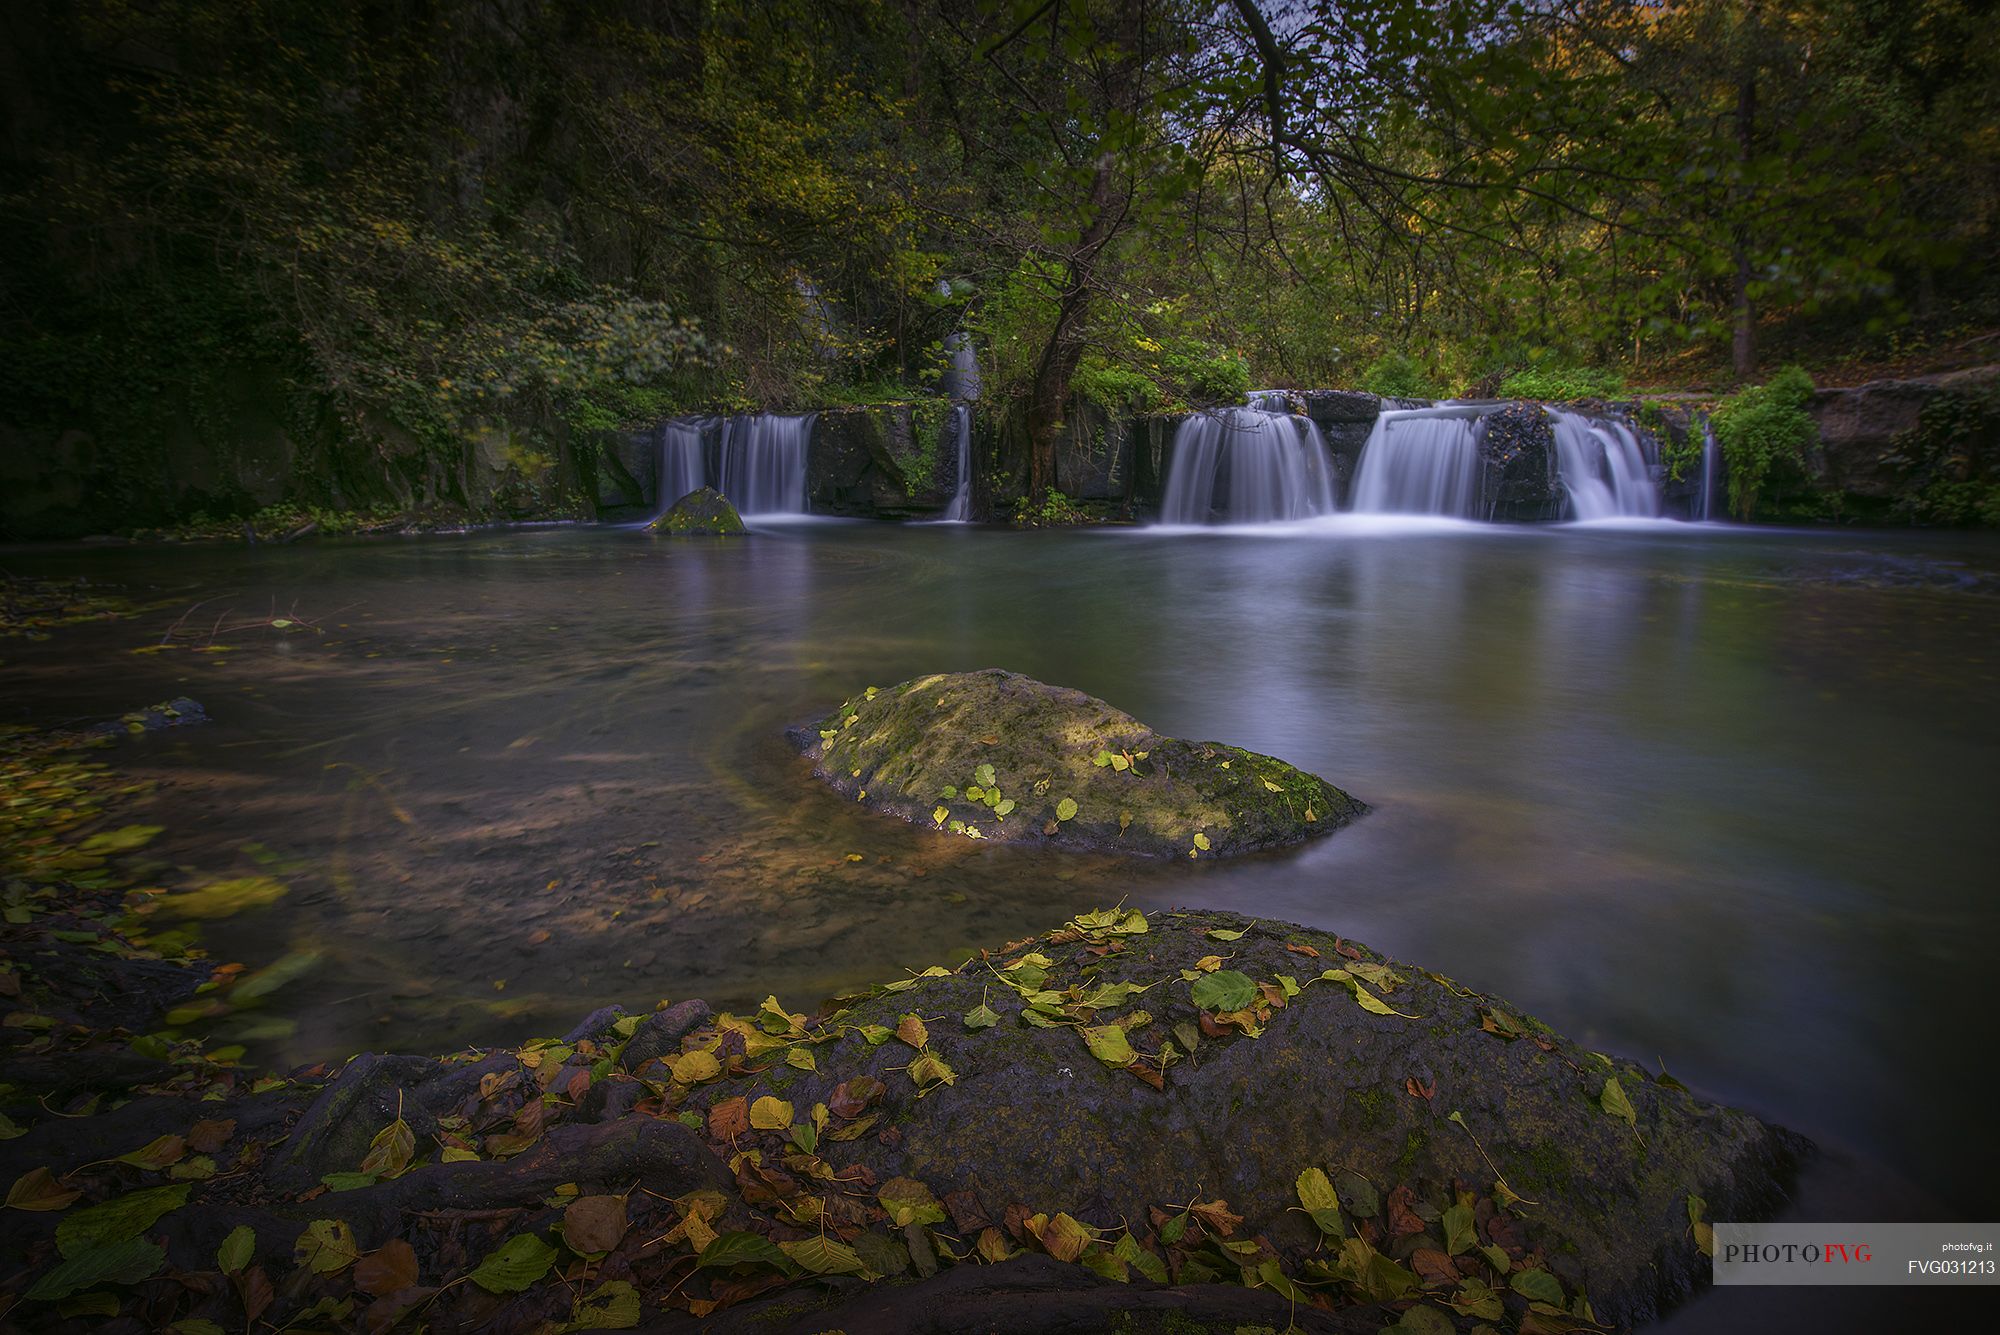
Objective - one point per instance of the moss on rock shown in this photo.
(703, 511)
(996, 755)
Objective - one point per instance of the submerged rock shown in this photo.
(996, 755)
(704, 511)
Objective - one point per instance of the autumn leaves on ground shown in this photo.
(1277, 1125)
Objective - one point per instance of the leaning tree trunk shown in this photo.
(1743, 346)
(1049, 395)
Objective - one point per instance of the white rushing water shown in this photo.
(682, 467)
(960, 509)
(764, 463)
(1422, 461)
(1604, 468)
(1250, 465)
(1703, 507)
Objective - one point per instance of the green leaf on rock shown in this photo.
(1537, 1286)
(981, 1016)
(327, 1247)
(1614, 1102)
(823, 1256)
(1225, 990)
(1066, 809)
(1459, 1234)
(117, 1220)
(1109, 1045)
(1316, 1194)
(125, 1262)
(236, 1250)
(515, 1264)
(613, 1305)
(741, 1248)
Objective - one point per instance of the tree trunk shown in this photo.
(1049, 394)
(1743, 348)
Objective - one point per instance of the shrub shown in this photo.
(1054, 510)
(1562, 383)
(1397, 375)
(1761, 429)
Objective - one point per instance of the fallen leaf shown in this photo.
(390, 1267)
(771, 1114)
(594, 1223)
(1215, 1216)
(207, 1137)
(1420, 1090)
(729, 1119)
(911, 1030)
(37, 1189)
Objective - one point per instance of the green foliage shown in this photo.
(1053, 510)
(1115, 388)
(1397, 375)
(1562, 383)
(1764, 431)
(1942, 456)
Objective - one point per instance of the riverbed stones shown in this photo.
(703, 511)
(997, 755)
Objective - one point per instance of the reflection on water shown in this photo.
(1715, 797)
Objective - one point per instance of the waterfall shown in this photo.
(960, 509)
(1423, 461)
(1277, 468)
(682, 468)
(1703, 506)
(764, 463)
(1603, 468)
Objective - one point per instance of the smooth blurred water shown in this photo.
(1718, 798)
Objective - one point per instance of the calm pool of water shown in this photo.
(1718, 798)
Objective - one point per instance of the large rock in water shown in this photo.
(996, 755)
(1191, 1104)
(704, 511)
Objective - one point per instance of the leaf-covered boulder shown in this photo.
(1373, 1131)
(996, 755)
(703, 511)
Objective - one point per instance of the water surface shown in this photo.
(1717, 799)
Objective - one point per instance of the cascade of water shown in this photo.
(1422, 461)
(960, 509)
(1277, 468)
(764, 463)
(1603, 468)
(1711, 461)
(682, 468)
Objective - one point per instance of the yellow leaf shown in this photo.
(770, 1114)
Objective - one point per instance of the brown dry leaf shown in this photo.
(577, 1085)
(390, 1267)
(729, 1119)
(1065, 1237)
(1273, 995)
(1216, 1217)
(966, 1215)
(385, 1312)
(37, 1189)
(1403, 1219)
(1420, 1089)
(1307, 951)
(208, 1137)
(1149, 1074)
(254, 1291)
(494, 1081)
(1433, 1266)
(911, 1030)
(993, 1247)
(852, 1097)
(594, 1223)
(539, 936)
(1351, 952)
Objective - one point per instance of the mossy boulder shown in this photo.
(996, 755)
(702, 511)
(1090, 1073)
